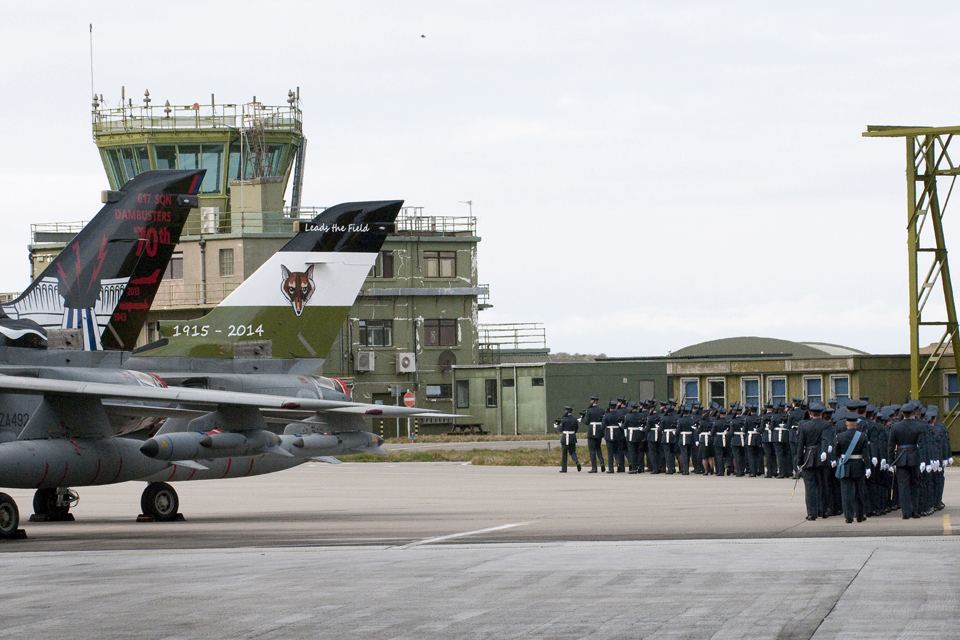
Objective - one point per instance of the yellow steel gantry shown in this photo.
(928, 159)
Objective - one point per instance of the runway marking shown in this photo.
(947, 529)
(463, 534)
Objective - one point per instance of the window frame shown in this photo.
(950, 400)
(743, 391)
(833, 387)
(712, 398)
(367, 329)
(443, 327)
(806, 395)
(772, 398)
(490, 392)
(440, 264)
(171, 271)
(222, 263)
(688, 401)
(461, 394)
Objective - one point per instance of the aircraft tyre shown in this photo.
(45, 504)
(9, 517)
(160, 501)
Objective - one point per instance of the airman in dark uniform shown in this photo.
(686, 440)
(613, 436)
(593, 421)
(754, 445)
(738, 440)
(809, 460)
(654, 438)
(668, 445)
(850, 445)
(568, 426)
(902, 450)
(633, 431)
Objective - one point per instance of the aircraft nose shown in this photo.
(150, 448)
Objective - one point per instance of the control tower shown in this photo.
(249, 151)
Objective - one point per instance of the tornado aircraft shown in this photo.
(196, 405)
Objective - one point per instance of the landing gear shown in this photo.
(53, 505)
(160, 503)
(9, 519)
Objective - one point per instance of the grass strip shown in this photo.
(504, 458)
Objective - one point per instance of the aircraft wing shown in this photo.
(200, 398)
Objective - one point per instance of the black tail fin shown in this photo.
(107, 276)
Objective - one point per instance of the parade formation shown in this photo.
(857, 461)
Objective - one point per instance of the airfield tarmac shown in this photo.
(438, 550)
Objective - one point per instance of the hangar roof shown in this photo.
(758, 346)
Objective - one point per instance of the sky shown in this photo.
(645, 175)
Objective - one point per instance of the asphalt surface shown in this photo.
(438, 550)
(466, 446)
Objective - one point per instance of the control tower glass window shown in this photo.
(166, 155)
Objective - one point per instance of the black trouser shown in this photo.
(755, 459)
(568, 449)
(634, 455)
(908, 484)
(593, 446)
(853, 497)
(783, 459)
(653, 456)
(670, 456)
(614, 454)
(812, 485)
(770, 454)
(738, 459)
(721, 459)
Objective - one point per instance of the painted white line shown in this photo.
(465, 533)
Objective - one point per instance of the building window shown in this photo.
(507, 382)
(951, 389)
(463, 394)
(174, 268)
(439, 264)
(439, 391)
(226, 263)
(536, 382)
(376, 333)
(777, 390)
(840, 388)
(718, 391)
(689, 391)
(813, 389)
(440, 333)
(383, 267)
(750, 391)
(490, 386)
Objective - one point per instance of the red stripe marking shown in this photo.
(173, 473)
(252, 460)
(193, 185)
(192, 473)
(97, 474)
(66, 467)
(229, 464)
(118, 472)
(46, 470)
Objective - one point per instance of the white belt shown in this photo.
(855, 458)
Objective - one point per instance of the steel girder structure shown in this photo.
(928, 160)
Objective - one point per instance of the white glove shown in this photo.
(923, 467)
(883, 463)
(944, 463)
(833, 463)
(868, 473)
(950, 460)
(829, 449)
(874, 460)
(823, 457)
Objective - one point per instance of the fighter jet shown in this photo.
(294, 303)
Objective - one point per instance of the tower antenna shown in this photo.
(92, 90)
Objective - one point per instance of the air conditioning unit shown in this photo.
(366, 360)
(209, 219)
(406, 362)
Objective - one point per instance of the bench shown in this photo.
(465, 429)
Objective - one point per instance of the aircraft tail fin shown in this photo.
(294, 305)
(104, 280)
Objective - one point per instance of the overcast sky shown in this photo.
(645, 175)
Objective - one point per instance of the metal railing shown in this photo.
(178, 294)
(211, 223)
(130, 117)
(532, 335)
(411, 220)
(54, 232)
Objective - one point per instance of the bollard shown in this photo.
(416, 428)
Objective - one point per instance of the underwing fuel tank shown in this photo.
(78, 462)
(193, 445)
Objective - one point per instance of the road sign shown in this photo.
(409, 398)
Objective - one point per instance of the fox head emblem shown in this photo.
(298, 287)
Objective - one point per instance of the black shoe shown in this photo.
(563, 470)
(632, 471)
(811, 518)
(861, 519)
(940, 506)
(620, 469)
(611, 471)
(906, 517)
(848, 520)
(592, 471)
(916, 515)
(603, 469)
(578, 467)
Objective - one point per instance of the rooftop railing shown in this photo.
(532, 335)
(131, 118)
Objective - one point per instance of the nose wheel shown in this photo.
(53, 505)
(160, 503)
(9, 519)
